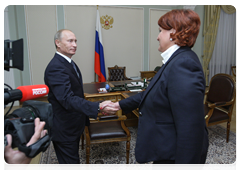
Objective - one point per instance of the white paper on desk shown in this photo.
(102, 90)
(134, 83)
(135, 90)
(139, 84)
(130, 85)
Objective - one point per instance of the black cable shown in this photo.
(12, 102)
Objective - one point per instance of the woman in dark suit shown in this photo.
(171, 127)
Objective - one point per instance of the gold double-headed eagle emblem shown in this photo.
(106, 22)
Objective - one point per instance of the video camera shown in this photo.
(20, 123)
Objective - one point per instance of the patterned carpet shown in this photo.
(219, 152)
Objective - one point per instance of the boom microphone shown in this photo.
(24, 93)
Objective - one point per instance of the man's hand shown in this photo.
(39, 132)
(108, 107)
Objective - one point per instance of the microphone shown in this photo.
(24, 93)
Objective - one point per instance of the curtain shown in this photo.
(211, 19)
(229, 9)
(224, 53)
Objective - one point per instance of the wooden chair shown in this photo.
(235, 71)
(107, 128)
(117, 73)
(149, 74)
(220, 99)
(233, 68)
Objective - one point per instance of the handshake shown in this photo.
(109, 108)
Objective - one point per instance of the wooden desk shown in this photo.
(92, 88)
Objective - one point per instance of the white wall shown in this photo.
(155, 58)
(41, 25)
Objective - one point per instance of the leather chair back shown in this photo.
(221, 89)
(117, 73)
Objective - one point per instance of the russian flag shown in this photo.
(99, 56)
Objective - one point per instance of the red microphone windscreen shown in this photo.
(33, 91)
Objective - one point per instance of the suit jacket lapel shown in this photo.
(159, 73)
(64, 61)
(69, 65)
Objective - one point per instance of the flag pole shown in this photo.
(99, 54)
(95, 77)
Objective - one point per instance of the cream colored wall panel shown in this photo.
(123, 43)
(155, 58)
(41, 26)
(82, 21)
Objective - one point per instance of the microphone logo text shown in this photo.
(39, 91)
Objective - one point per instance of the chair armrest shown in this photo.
(219, 104)
(120, 118)
(148, 71)
(206, 90)
(109, 117)
(213, 105)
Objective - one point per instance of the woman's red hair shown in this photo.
(185, 22)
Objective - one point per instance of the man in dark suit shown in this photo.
(71, 111)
